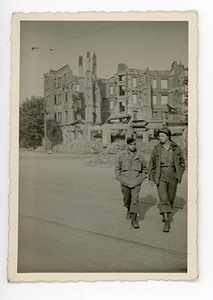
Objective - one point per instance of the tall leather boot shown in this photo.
(166, 222)
(128, 216)
(134, 221)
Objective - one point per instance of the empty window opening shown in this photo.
(58, 99)
(134, 99)
(154, 100)
(164, 100)
(66, 115)
(121, 77)
(121, 107)
(128, 82)
(154, 83)
(59, 81)
(121, 90)
(111, 89)
(79, 103)
(65, 97)
(134, 82)
(164, 84)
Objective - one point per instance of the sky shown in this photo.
(140, 44)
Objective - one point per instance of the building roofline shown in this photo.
(64, 67)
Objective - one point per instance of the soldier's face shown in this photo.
(132, 146)
(163, 137)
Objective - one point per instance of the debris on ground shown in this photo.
(79, 147)
(82, 147)
(106, 161)
(40, 149)
(116, 147)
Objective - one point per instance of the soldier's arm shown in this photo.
(152, 165)
(181, 159)
(118, 167)
(144, 167)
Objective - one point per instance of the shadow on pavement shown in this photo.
(145, 203)
(179, 204)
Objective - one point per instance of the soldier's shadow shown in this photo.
(179, 204)
(145, 203)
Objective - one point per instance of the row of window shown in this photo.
(134, 100)
(57, 81)
(58, 116)
(163, 100)
(164, 85)
(57, 98)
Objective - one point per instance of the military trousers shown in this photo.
(130, 197)
(167, 189)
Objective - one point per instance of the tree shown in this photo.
(54, 133)
(31, 124)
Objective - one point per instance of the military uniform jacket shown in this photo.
(155, 162)
(130, 169)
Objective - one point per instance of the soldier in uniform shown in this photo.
(131, 171)
(166, 168)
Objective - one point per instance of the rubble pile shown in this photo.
(116, 147)
(107, 162)
(79, 147)
(40, 150)
(82, 147)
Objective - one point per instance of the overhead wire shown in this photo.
(76, 37)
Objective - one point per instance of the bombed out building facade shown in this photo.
(85, 102)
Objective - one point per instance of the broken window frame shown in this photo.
(122, 91)
(122, 107)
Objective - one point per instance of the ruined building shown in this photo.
(154, 97)
(148, 95)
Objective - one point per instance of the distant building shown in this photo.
(148, 94)
(153, 96)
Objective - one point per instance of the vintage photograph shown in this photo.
(103, 158)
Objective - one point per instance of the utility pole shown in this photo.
(45, 131)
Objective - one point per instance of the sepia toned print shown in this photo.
(103, 156)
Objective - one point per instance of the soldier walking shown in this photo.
(166, 168)
(131, 171)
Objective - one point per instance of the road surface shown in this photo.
(72, 219)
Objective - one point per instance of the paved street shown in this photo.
(72, 219)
